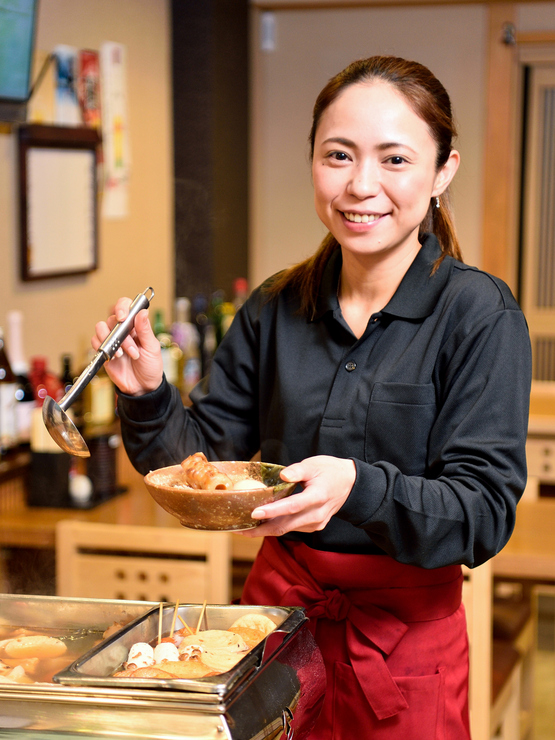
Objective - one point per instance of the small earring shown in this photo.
(437, 201)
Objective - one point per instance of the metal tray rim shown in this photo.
(221, 685)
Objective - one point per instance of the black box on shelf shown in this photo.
(48, 481)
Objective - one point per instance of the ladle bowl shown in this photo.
(62, 429)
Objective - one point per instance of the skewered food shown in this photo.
(201, 653)
(164, 652)
(251, 627)
(141, 655)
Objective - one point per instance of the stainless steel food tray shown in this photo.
(275, 691)
(96, 667)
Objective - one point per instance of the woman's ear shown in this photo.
(446, 173)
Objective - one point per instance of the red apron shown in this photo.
(393, 638)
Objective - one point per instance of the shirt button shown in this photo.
(350, 366)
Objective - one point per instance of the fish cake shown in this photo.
(193, 668)
(253, 621)
(150, 672)
(251, 636)
(35, 646)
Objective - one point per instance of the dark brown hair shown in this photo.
(430, 101)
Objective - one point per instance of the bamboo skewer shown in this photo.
(201, 616)
(184, 623)
(174, 618)
(160, 614)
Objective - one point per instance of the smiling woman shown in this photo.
(375, 175)
(377, 372)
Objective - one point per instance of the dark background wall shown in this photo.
(210, 93)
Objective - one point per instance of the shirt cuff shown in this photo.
(150, 406)
(367, 494)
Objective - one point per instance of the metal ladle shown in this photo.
(60, 427)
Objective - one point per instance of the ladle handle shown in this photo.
(113, 341)
(107, 349)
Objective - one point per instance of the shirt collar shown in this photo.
(416, 296)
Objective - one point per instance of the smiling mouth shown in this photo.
(361, 218)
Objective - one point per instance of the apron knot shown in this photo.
(334, 606)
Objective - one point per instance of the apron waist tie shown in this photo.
(371, 632)
(372, 628)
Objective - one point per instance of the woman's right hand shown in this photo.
(137, 367)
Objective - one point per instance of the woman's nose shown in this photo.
(365, 180)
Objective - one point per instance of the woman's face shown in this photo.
(374, 170)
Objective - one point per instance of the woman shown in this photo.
(393, 381)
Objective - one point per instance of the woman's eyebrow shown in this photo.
(382, 147)
(339, 140)
(394, 145)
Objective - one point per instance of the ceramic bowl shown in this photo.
(218, 511)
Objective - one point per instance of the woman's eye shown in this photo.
(397, 159)
(339, 156)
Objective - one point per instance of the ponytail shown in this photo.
(440, 222)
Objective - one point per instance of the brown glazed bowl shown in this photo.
(218, 511)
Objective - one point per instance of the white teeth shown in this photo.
(357, 218)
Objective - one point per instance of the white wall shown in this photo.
(136, 251)
(535, 17)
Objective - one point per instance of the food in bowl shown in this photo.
(200, 474)
(253, 484)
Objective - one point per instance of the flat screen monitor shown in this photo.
(17, 42)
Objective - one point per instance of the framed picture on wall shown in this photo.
(58, 196)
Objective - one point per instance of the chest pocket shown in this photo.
(400, 417)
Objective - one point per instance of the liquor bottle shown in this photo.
(171, 353)
(184, 332)
(8, 388)
(216, 314)
(67, 379)
(44, 383)
(20, 367)
(66, 375)
(240, 292)
(186, 336)
(98, 403)
(50, 466)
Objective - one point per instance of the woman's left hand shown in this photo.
(327, 483)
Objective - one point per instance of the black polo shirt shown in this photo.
(431, 403)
